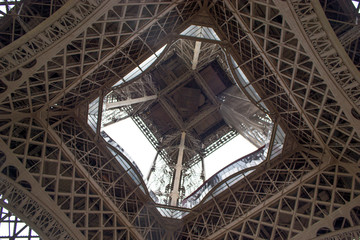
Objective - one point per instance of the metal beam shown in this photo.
(327, 221)
(200, 116)
(205, 40)
(278, 75)
(40, 196)
(115, 51)
(197, 50)
(175, 83)
(43, 56)
(127, 102)
(178, 168)
(272, 140)
(67, 152)
(344, 100)
(272, 199)
(209, 93)
(173, 113)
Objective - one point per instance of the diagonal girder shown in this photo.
(346, 103)
(114, 51)
(172, 111)
(38, 194)
(274, 70)
(83, 170)
(294, 201)
(127, 102)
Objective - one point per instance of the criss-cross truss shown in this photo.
(59, 175)
(14, 228)
(187, 104)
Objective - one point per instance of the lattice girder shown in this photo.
(96, 44)
(284, 203)
(248, 195)
(20, 17)
(26, 197)
(14, 227)
(51, 166)
(297, 89)
(113, 181)
(293, 62)
(344, 20)
(332, 62)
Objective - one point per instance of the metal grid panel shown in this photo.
(292, 62)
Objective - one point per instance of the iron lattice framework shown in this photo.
(66, 182)
(189, 90)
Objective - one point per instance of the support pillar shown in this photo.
(202, 169)
(152, 169)
(175, 191)
(130, 101)
(196, 55)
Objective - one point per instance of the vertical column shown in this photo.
(152, 169)
(175, 191)
(202, 168)
(196, 55)
(100, 110)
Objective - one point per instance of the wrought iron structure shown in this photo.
(186, 102)
(60, 176)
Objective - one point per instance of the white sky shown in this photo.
(4, 8)
(231, 151)
(132, 140)
(356, 4)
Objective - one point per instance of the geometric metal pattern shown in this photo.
(30, 211)
(189, 90)
(12, 227)
(299, 203)
(62, 179)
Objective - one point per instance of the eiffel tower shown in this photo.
(192, 75)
